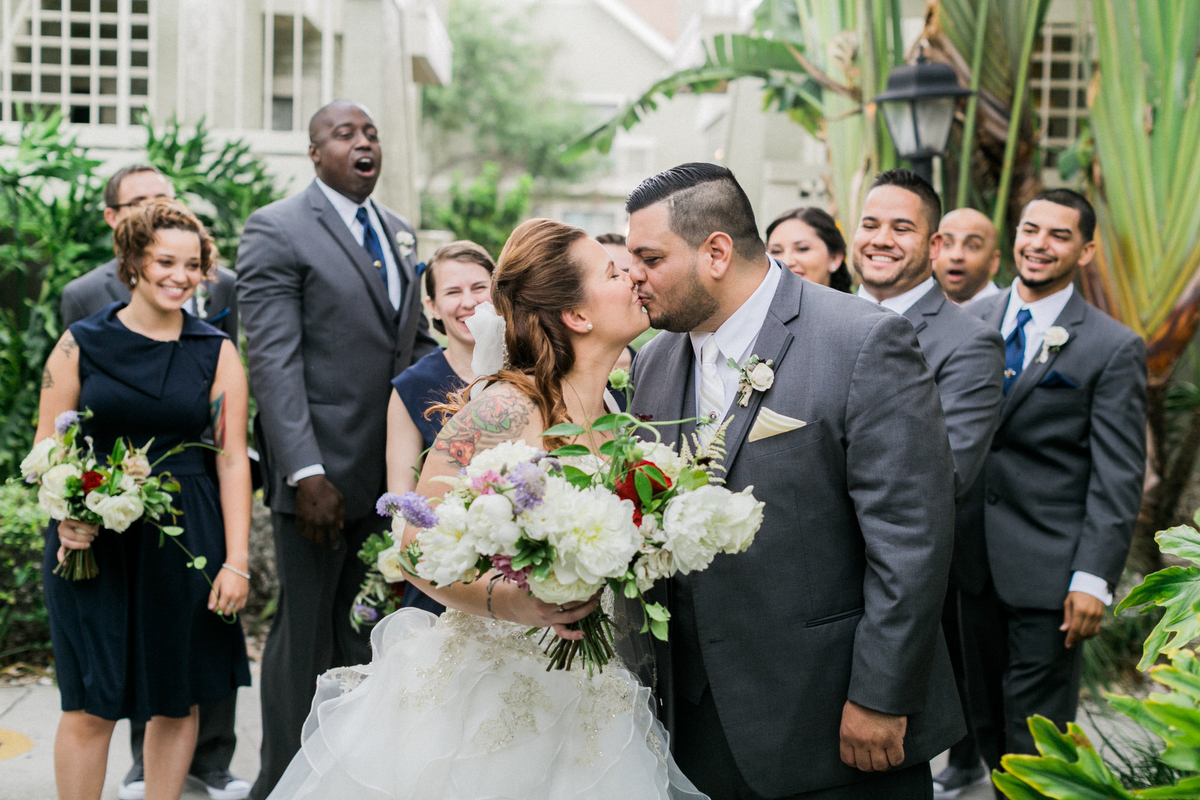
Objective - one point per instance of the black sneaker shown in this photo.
(951, 781)
(220, 785)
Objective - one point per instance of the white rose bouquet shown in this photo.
(114, 495)
(563, 532)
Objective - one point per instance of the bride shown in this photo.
(461, 706)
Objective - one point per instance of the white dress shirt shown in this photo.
(901, 302)
(990, 289)
(347, 209)
(737, 335)
(1044, 313)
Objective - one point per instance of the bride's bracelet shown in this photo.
(491, 585)
(236, 571)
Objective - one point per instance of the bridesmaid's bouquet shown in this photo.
(566, 523)
(113, 495)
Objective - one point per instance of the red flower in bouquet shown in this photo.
(626, 488)
(91, 480)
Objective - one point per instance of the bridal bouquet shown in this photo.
(114, 495)
(564, 524)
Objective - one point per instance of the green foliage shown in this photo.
(24, 628)
(498, 106)
(53, 231)
(480, 211)
(1069, 767)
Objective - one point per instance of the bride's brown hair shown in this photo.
(535, 281)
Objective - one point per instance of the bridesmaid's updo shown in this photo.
(536, 280)
(138, 231)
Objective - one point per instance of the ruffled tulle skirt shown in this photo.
(462, 708)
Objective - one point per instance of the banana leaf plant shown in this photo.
(1069, 767)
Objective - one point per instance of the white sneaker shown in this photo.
(134, 790)
(220, 785)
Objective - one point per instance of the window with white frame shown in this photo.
(1058, 77)
(89, 58)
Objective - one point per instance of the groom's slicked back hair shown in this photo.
(702, 199)
(907, 179)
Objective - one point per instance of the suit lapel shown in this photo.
(675, 390)
(928, 306)
(1071, 318)
(772, 344)
(403, 263)
(327, 215)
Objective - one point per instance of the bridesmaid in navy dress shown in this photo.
(459, 277)
(143, 639)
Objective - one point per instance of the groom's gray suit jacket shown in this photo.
(840, 595)
(1062, 484)
(324, 343)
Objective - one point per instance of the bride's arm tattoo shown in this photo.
(483, 423)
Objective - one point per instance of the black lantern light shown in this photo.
(918, 107)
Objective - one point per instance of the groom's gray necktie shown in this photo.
(712, 390)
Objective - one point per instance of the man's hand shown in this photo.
(1082, 614)
(320, 514)
(871, 740)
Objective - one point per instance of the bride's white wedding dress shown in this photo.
(462, 708)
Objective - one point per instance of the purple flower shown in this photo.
(529, 484)
(365, 614)
(65, 420)
(416, 511)
(387, 505)
(503, 565)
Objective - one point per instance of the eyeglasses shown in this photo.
(137, 201)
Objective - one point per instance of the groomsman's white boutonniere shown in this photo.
(405, 241)
(201, 300)
(1052, 342)
(755, 375)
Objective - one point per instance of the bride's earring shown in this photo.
(133, 280)
(589, 326)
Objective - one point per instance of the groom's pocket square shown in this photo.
(770, 423)
(1056, 380)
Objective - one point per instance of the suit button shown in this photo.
(993, 498)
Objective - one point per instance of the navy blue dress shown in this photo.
(138, 640)
(426, 383)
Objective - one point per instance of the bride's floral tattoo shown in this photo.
(483, 423)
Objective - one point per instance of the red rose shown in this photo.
(626, 489)
(90, 480)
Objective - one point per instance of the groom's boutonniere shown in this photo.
(405, 241)
(755, 375)
(1052, 342)
(201, 300)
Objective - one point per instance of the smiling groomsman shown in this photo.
(1062, 483)
(332, 312)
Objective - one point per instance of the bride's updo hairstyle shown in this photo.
(535, 281)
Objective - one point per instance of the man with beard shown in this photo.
(812, 665)
(893, 250)
(970, 257)
(332, 312)
(1061, 486)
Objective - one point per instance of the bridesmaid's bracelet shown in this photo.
(491, 585)
(236, 571)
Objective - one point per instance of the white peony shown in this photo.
(53, 504)
(601, 539)
(389, 563)
(553, 589)
(698, 525)
(654, 564)
(501, 458)
(554, 514)
(490, 520)
(447, 552)
(41, 458)
(761, 377)
(117, 513)
(54, 480)
(663, 457)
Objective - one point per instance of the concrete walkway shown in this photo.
(33, 711)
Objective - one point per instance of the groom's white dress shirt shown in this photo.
(737, 335)
(901, 302)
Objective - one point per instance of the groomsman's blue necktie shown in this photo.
(371, 244)
(1014, 350)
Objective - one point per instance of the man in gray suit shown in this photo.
(893, 249)
(1061, 486)
(332, 311)
(215, 303)
(813, 664)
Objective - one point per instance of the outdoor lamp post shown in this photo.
(918, 107)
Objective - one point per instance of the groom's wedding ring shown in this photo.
(560, 609)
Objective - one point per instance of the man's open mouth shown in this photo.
(364, 165)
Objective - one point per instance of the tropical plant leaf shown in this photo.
(1177, 591)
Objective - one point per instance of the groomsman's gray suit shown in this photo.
(324, 343)
(96, 289)
(840, 595)
(1061, 490)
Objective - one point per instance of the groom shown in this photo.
(812, 665)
